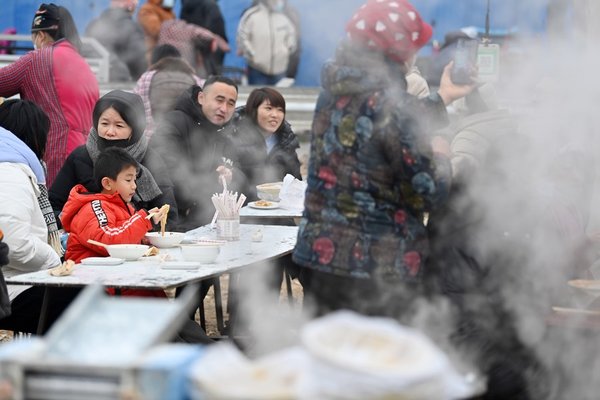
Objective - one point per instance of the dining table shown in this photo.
(168, 270)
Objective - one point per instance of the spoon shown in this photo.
(90, 241)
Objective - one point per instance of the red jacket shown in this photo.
(105, 218)
(61, 82)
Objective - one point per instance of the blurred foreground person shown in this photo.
(24, 216)
(373, 169)
(123, 38)
(58, 79)
(480, 250)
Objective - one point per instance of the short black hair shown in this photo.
(162, 51)
(27, 121)
(219, 78)
(111, 162)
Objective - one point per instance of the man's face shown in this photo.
(218, 102)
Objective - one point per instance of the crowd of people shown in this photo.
(391, 215)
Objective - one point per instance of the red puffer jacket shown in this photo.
(105, 218)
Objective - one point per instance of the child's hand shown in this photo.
(157, 214)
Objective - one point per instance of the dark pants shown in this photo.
(255, 77)
(377, 297)
(26, 308)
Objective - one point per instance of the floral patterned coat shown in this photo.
(372, 173)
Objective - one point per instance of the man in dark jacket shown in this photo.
(195, 151)
(206, 14)
(123, 38)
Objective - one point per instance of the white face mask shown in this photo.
(168, 3)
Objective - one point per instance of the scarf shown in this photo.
(147, 188)
(14, 150)
(49, 217)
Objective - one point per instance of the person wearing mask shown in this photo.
(196, 153)
(266, 38)
(206, 14)
(24, 216)
(151, 16)
(118, 122)
(373, 170)
(58, 79)
(123, 38)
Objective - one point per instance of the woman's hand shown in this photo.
(449, 91)
(440, 145)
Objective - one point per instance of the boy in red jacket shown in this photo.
(108, 216)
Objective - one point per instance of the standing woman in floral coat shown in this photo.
(58, 79)
(373, 169)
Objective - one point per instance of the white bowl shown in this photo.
(202, 252)
(169, 240)
(127, 251)
(269, 191)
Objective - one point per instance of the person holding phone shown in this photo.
(374, 168)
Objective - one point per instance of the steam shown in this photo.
(548, 85)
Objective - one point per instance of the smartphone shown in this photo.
(465, 61)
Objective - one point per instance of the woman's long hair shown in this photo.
(27, 121)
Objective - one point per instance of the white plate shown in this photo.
(180, 265)
(102, 261)
(576, 311)
(590, 286)
(272, 206)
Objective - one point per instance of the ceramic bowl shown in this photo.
(127, 251)
(269, 191)
(201, 252)
(162, 242)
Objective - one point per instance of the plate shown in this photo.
(102, 261)
(180, 265)
(272, 205)
(576, 311)
(590, 286)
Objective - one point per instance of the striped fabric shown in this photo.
(66, 89)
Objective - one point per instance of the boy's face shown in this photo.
(124, 184)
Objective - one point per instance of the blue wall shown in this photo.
(322, 21)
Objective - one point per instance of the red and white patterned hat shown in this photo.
(392, 26)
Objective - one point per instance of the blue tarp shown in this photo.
(322, 21)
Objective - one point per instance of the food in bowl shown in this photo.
(202, 252)
(170, 239)
(127, 251)
(269, 191)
